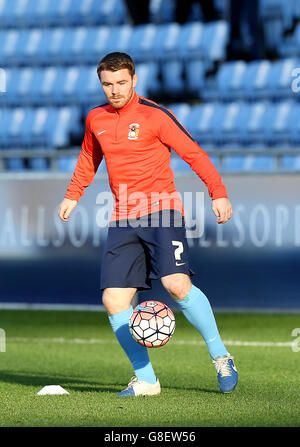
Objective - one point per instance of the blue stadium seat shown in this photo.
(265, 163)
(19, 86)
(41, 125)
(96, 43)
(189, 41)
(165, 41)
(181, 111)
(195, 77)
(229, 82)
(282, 10)
(277, 131)
(110, 12)
(228, 125)
(273, 34)
(65, 121)
(148, 79)
(294, 125)
(66, 164)
(19, 124)
(15, 164)
(66, 87)
(119, 39)
(296, 41)
(172, 77)
(256, 80)
(215, 39)
(246, 163)
(234, 163)
(50, 47)
(73, 46)
(9, 40)
(44, 127)
(141, 42)
(280, 78)
(28, 45)
(178, 164)
(88, 87)
(38, 164)
(253, 128)
(290, 162)
(203, 121)
(5, 115)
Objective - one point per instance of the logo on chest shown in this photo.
(133, 131)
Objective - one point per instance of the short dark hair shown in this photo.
(116, 61)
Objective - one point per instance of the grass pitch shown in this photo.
(78, 351)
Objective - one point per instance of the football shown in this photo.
(152, 324)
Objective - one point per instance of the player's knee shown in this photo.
(117, 300)
(177, 287)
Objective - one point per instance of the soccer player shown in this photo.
(135, 136)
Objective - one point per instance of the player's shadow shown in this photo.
(40, 379)
(70, 383)
(189, 388)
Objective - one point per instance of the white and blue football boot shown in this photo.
(227, 373)
(140, 388)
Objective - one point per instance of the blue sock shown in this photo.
(137, 354)
(197, 310)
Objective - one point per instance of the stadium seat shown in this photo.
(28, 127)
(228, 84)
(28, 13)
(189, 41)
(178, 164)
(38, 164)
(172, 77)
(66, 164)
(293, 124)
(277, 131)
(290, 162)
(195, 77)
(141, 42)
(280, 78)
(88, 87)
(203, 121)
(119, 39)
(15, 164)
(97, 42)
(215, 39)
(282, 10)
(256, 80)
(148, 79)
(228, 124)
(249, 163)
(8, 47)
(253, 127)
(181, 111)
(165, 41)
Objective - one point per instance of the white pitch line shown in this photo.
(100, 341)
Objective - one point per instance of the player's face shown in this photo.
(118, 86)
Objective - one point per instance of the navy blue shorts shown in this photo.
(154, 247)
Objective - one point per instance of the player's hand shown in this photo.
(222, 209)
(65, 209)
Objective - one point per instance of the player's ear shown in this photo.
(134, 78)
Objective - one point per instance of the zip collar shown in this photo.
(129, 106)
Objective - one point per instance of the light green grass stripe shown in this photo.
(102, 341)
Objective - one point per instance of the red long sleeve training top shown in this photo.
(136, 143)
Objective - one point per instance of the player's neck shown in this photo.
(129, 103)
